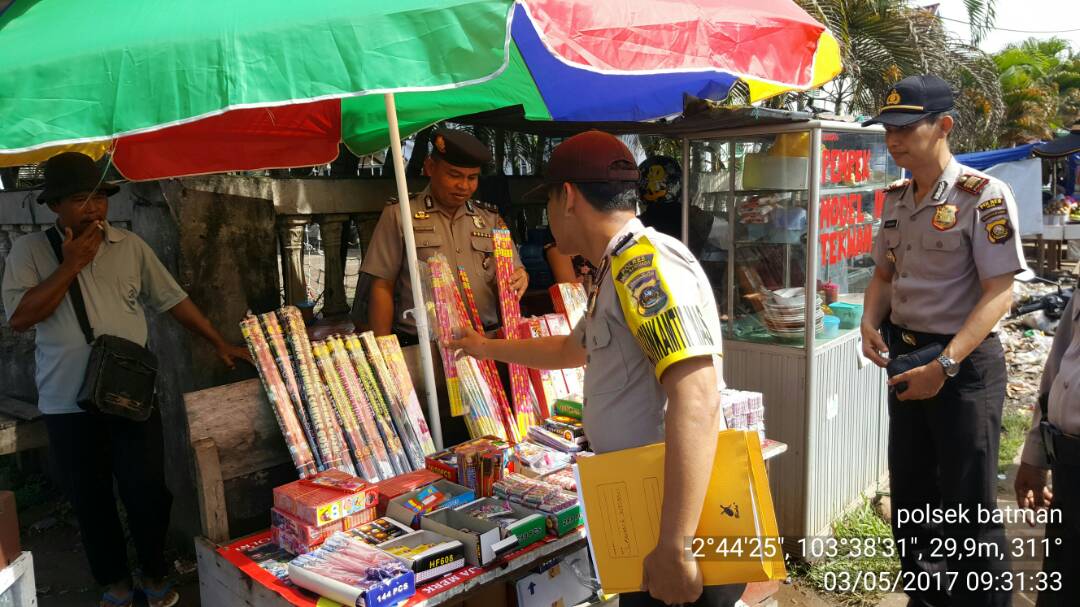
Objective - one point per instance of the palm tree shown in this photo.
(1040, 82)
(883, 41)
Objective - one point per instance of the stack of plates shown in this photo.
(785, 314)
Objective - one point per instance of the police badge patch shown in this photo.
(999, 231)
(646, 290)
(944, 217)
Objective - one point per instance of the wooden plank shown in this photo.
(222, 583)
(211, 489)
(22, 436)
(239, 419)
(19, 409)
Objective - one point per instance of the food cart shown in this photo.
(792, 208)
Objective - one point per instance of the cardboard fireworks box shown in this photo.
(567, 427)
(410, 507)
(299, 537)
(320, 503)
(379, 531)
(483, 540)
(528, 526)
(429, 554)
(402, 484)
(569, 406)
(465, 463)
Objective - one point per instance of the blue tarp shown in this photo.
(981, 161)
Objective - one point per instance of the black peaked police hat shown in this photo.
(913, 99)
(460, 149)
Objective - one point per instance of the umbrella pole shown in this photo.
(419, 310)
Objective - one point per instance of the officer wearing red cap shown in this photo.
(945, 260)
(641, 385)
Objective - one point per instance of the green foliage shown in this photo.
(1014, 429)
(883, 41)
(858, 533)
(1040, 83)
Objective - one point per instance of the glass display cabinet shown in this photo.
(783, 219)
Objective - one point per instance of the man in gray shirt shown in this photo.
(114, 269)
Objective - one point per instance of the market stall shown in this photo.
(796, 208)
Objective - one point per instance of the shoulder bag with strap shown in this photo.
(121, 374)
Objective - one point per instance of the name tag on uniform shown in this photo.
(892, 223)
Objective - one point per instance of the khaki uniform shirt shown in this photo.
(960, 233)
(1061, 380)
(652, 307)
(124, 271)
(464, 238)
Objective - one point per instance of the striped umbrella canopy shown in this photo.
(206, 86)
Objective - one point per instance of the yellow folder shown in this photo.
(737, 538)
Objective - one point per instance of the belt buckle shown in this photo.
(909, 338)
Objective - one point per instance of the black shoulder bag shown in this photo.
(121, 374)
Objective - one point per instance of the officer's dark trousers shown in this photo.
(89, 451)
(1063, 560)
(943, 454)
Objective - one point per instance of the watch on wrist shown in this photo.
(950, 366)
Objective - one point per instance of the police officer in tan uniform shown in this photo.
(445, 220)
(1054, 444)
(651, 338)
(945, 259)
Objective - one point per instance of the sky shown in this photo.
(1033, 15)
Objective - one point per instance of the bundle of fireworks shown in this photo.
(526, 408)
(561, 507)
(342, 403)
(744, 410)
(473, 386)
(400, 485)
(476, 464)
(299, 537)
(281, 402)
(570, 300)
(349, 571)
(550, 384)
(570, 406)
(330, 498)
(533, 493)
(563, 479)
(532, 459)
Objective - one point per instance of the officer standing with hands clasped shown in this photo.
(945, 260)
(640, 389)
(445, 220)
(1054, 444)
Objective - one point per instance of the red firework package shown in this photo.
(319, 503)
(402, 484)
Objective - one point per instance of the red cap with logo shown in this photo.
(592, 156)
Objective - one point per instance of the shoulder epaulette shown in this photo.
(972, 184)
(897, 185)
(394, 199)
(487, 206)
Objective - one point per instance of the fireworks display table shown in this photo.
(239, 574)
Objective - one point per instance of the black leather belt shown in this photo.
(918, 339)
